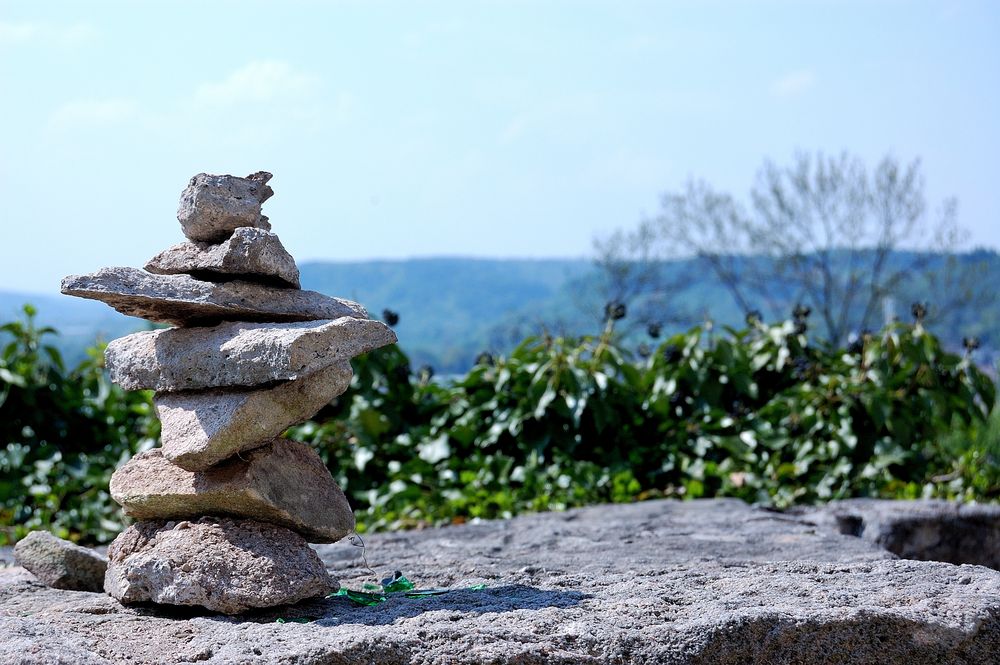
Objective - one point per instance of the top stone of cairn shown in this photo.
(213, 206)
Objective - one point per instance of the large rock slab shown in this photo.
(213, 206)
(201, 428)
(59, 563)
(929, 530)
(251, 254)
(284, 482)
(183, 300)
(223, 565)
(238, 353)
(655, 582)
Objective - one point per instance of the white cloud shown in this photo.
(93, 112)
(46, 34)
(793, 83)
(254, 104)
(258, 82)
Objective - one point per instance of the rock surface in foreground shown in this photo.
(284, 482)
(183, 300)
(60, 563)
(238, 354)
(700, 582)
(223, 565)
(201, 428)
(252, 254)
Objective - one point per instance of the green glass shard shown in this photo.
(374, 594)
(398, 584)
(361, 597)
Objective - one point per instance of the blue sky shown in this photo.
(512, 129)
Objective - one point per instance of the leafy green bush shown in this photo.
(760, 414)
(757, 414)
(62, 434)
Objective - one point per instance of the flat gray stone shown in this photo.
(284, 483)
(238, 353)
(671, 582)
(251, 254)
(59, 563)
(221, 564)
(183, 300)
(213, 206)
(201, 428)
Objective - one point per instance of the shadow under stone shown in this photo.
(339, 610)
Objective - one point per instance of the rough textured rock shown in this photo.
(926, 530)
(213, 206)
(183, 300)
(251, 254)
(60, 563)
(201, 428)
(656, 582)
(284, 482)
(220, 564)
(238, 354)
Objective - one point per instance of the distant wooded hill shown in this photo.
(452, 309)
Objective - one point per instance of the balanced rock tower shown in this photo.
(225, 508)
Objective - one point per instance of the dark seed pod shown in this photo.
(754, 317)
(644, 350)
(614, 311)
(653, 330)
(390, 317)
(970, 343)
(801, 312)
(485, 358)
(919, 311)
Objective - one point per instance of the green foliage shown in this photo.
(758, 414)
(61, 435)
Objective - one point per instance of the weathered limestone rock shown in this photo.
(202, 428)
(284, 482)
(251, 254)
(673, 582)
(221, 564)
(183, 300)
(238, 354)
(213, 206)
(60, 563)
(251, 355)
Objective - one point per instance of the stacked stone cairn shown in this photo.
(225, 508)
